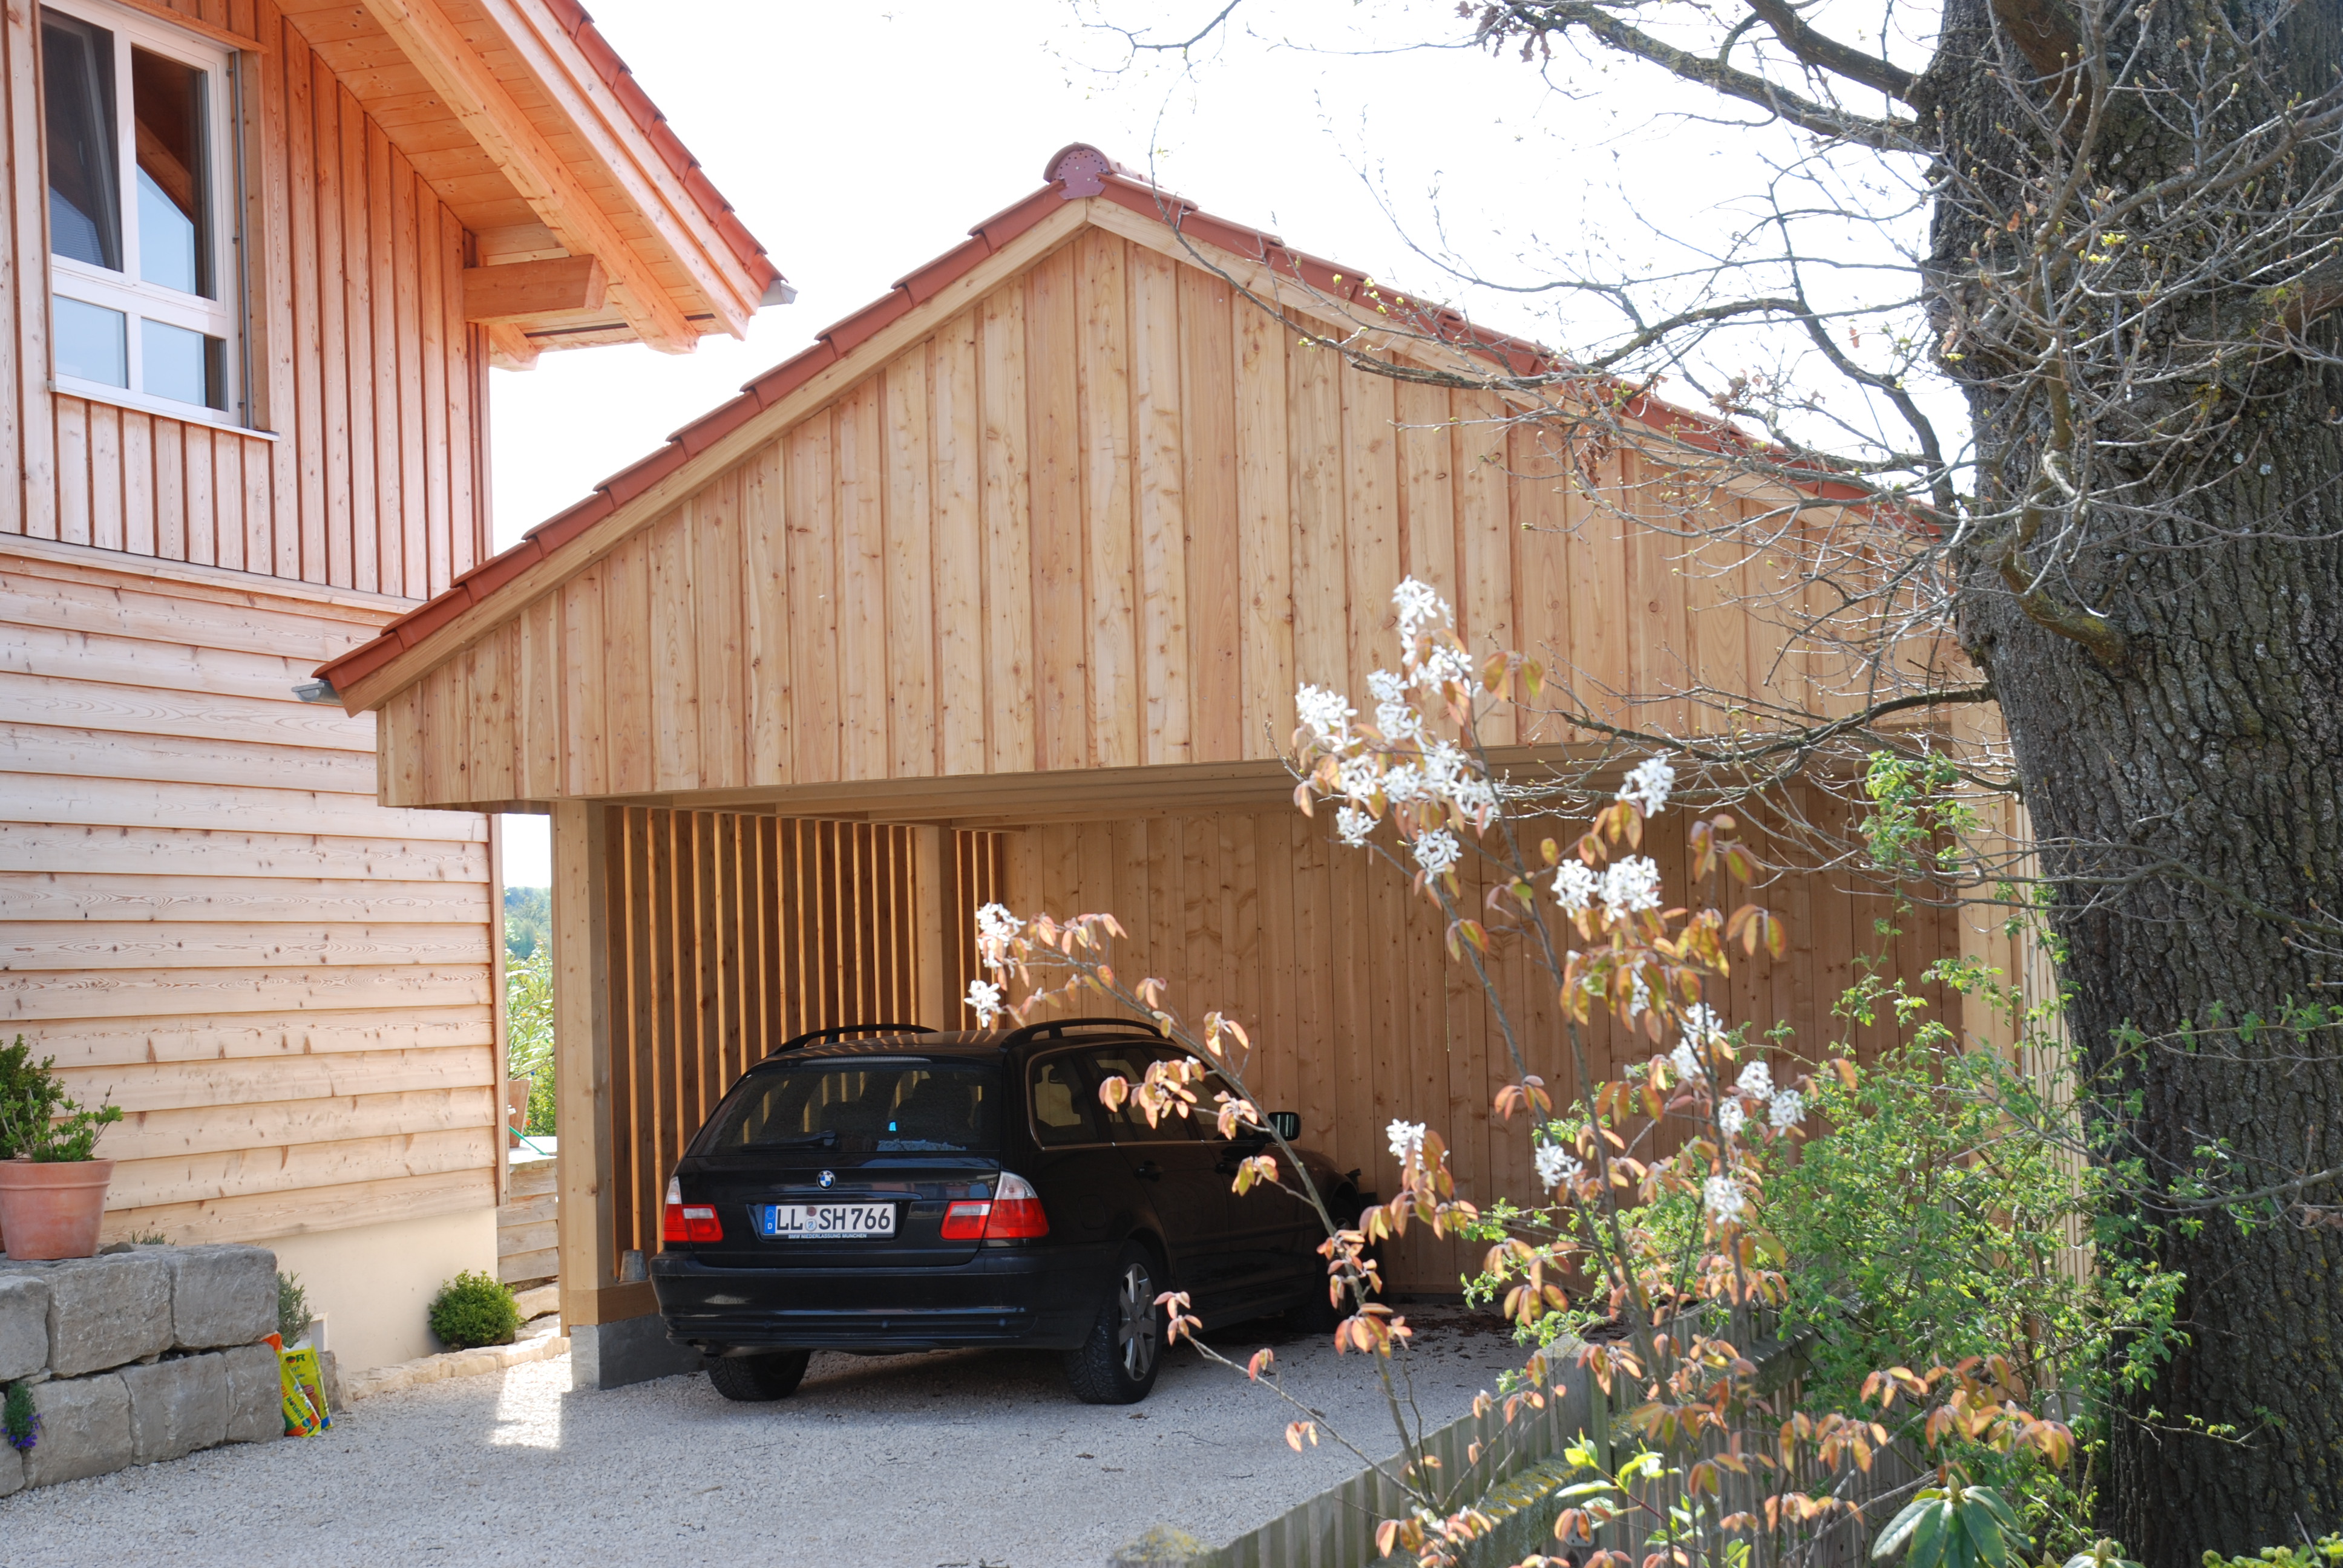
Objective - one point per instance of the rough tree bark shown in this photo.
(2206, 747)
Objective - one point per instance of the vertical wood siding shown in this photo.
(361, 359)
(731, 933)
(1359, 1017)
(1106, 517)
(206, 917)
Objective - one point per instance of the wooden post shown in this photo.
(581, 1054)
(938, 1007)
(500, 1040)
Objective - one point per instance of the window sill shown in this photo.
(162, 407)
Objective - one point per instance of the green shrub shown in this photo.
(2327, 1553)
(474, 1309)
(292, 1306)
(36, 1119)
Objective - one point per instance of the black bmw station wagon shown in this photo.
(889, 1188)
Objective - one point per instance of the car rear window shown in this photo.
(862, 1108)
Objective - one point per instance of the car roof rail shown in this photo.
(1056, 1028)
(841, 1030)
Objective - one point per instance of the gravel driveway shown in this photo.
(953, 1460)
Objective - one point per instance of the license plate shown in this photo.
(824, 1221)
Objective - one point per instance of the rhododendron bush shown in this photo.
(1681, 1214)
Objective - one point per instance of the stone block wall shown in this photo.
(138, 1356)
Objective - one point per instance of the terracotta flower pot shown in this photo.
(52, 1210)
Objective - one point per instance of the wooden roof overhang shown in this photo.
(1051, 531)
(594, 224)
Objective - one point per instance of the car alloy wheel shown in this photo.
(1135, 1325)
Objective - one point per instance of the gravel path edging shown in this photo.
(452, 1363)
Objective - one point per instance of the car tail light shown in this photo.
(1014, 1213)
(684, 1222)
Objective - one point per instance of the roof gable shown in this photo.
(1085, 190)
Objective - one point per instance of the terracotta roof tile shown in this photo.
(632, 480)
(793, 373)
(569, 14)
(417, 625)
(599, 52)
(713, 426)
(670, 147)
(501, 568)
(563, 527)
(924, 284)
(1011, 221)
(361, 661)
(845, 335)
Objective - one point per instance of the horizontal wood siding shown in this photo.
(731, 933)
(1357, 1015)
(361, 362)
(206, 918)
(1106, 517)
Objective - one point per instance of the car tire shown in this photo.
(1118, 1362)
(755, 1380)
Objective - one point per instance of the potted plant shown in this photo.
(52, 1185)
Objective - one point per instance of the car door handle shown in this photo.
(1149, 1171)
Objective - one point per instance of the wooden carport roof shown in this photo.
(1057, 504)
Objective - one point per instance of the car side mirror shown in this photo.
(1287, 1124)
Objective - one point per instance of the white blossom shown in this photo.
(1404, 783)
(1417, 603)
(994, 923)
(1325, 711)
(1443, 765)
(1556, 1165)
(1437, 850)
(1732, 1117)
(1786, 1109)
(1702, 1025)
(1398, 721)
(1648, 785)
(1406, 1140)
(1575, 884)
(1356, 777)
(1756, 1081)
(1473, 795)
(1630, 885)
(1686, 1062)
(984, 996)
(1724, 1199)
(1639, 998)
(1445, 664)
(1354, 825)
(1387, 687)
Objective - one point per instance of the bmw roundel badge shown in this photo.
(828, 1178)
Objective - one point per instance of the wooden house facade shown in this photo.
(1003, 591)
(256, 260)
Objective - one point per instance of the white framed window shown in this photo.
(143, 295)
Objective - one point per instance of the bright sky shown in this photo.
(858, 140)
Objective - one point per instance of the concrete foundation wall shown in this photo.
(374, 1283)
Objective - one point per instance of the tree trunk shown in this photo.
(2210, 764)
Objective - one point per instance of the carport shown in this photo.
(1001, 590)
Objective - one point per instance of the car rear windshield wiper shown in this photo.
(825, 1137)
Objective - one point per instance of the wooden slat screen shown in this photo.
(730, 933)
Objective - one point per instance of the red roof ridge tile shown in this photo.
(1074, 171)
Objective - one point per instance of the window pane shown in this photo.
(175, 363)
(166, 99)
(85, 204)
(90, 342)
